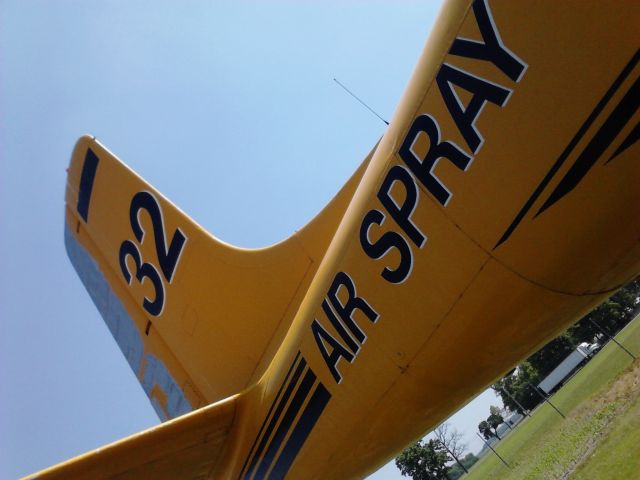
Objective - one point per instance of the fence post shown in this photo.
(611, 338)
(526, 412)
(497, 455)
(546, 399)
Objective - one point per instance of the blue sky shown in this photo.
(228, 108)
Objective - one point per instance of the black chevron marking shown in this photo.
(569, 148)
(598, 144)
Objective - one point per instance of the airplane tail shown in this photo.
(197, 319)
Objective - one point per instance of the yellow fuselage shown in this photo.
(500, 205)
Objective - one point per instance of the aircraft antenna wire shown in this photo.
(358, 99)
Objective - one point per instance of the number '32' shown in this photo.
(168, 256)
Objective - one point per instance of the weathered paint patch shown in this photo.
(113, 312)
(157, 375)
(125, 333)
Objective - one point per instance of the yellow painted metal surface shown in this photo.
(240, 301)
(190, 447)
(493, 213)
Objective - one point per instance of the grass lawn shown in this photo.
(618, 455)
(601, 404)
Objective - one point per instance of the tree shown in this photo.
(451, 439)
(612, 315)
(489, 427)
(495, 419)
(469, 460)
(550, 356)
(424, 461)
(517, 384)
(456, 471)
(485, 430)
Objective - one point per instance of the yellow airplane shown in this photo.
(497, 209)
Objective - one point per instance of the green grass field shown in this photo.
(618, 454)
(599, 439)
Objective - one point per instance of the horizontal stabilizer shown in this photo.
(187, 448)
